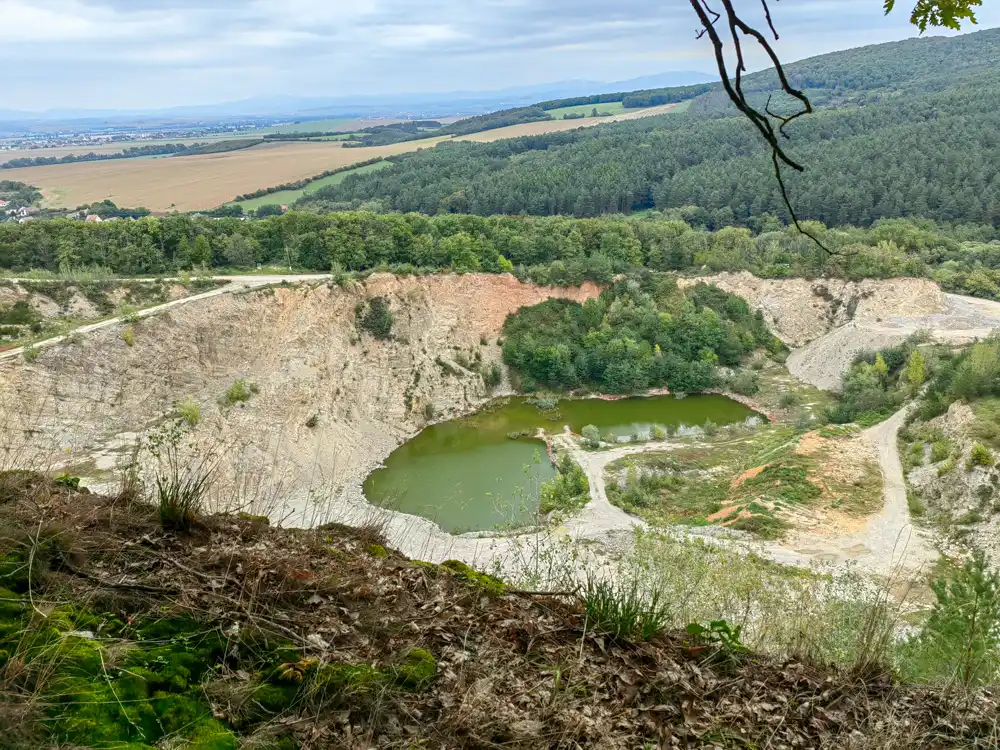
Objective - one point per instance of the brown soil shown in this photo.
(748, 474)
(513, 669)
(844, 465)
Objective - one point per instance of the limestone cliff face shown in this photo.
(800, 310)
(332, 400)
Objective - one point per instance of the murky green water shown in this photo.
(468, 475)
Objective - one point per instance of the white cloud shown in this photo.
(71, 21)
(124, 53)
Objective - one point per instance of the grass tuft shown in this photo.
(625, 612)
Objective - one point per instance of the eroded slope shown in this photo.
(331, 401)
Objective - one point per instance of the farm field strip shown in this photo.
(288, 197)
(615, 108)
(105, 148)
(193, 183)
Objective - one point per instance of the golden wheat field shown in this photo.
(192, 183)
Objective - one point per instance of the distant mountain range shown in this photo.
(423, 105)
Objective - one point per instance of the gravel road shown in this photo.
(823, 361)
(236, 284)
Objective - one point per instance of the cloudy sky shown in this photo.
(157, 53)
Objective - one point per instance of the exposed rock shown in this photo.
(800, 310)
(302, 348)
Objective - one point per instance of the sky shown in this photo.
(135, 54)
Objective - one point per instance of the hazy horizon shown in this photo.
(157, 54)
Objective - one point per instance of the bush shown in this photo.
(591, 436)
(570, 490)
(376, 318)
(429, 411)
(710, 428)
(745, 383)
(789, 400)
(128, 314)
(240, 392)
(493, 376)
(980, 456)
(31, 354)
(128, 336)
(940, 450)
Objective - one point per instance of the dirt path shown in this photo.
(236, 284)
(823, 361)
(887, 542)
(889, 539)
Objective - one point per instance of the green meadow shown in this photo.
(288, 197)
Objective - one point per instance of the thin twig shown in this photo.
(733, 85)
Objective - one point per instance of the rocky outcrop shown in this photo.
(800, 310)
(332, 400)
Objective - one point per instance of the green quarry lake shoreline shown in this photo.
(483, 471)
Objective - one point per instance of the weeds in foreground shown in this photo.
(624, 610)
(189, 410)
(960, 642)
(130, 487)
(181, 483)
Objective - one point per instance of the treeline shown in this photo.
(299, 184)
(642, 332)
(132, 152)
(632, 99)
(929, 155)
(396, 134)
(128, 153)
(220, 147)
(383, 135)
(19, 194)
(559, 250)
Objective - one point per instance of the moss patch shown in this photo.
(489, 584)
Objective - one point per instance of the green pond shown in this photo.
(469, 475)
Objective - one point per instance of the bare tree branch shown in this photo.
(732, 82)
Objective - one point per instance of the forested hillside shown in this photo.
(850, 76)
(930, 155)
(924, 144)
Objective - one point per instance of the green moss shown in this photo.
(492, 586)
(274, 699)
(14, 572)
(377, 550)
(211, 735)
(12, 611)
(352, 677)
(262, 520)
(416, 669)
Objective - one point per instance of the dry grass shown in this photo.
(510, 668)
(191, 183)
